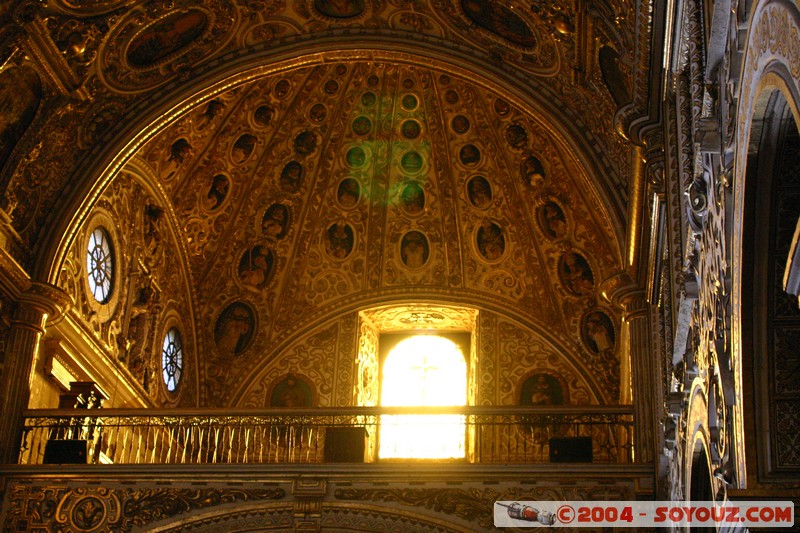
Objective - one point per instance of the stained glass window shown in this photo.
(172, 359)
(100, 265)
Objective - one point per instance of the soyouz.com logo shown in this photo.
(636, 514)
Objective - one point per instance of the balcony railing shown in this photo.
(491, 435)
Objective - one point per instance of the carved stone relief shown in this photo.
(115, 508)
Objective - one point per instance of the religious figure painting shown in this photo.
(411, 162)
(275, 222)
(262, 116)
(552, 220)
(412, 198)
(516, 136)
(410, 129)
(255, 267)
(243, 147)
(179, 151)
(540, 390)
(498, 19)
(213, 110)
(597, 332)
(305, 143)
(491, 241)
(340, 240)
(331, 86)
(318, 112)
(20, 95)
(348, 192)
(460, 124)
(469, 154)
(339, 9)
(166, 37)
(292, 176)
(532, 170)
(217, 192)
(501, 107)
(282, 88)
(356, 157)
(369, 98)
(362, 125)
(410, 102)
(234, 329)
(576, 274)
(414, 249)
(480, 192)
(291, 391)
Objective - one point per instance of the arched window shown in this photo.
(423, 371)
(100, 265)
(172, 359)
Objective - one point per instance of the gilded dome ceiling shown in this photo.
(341, 185)
(263, 170)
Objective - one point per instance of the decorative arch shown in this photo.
(112, 152)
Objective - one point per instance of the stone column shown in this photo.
(636, 360)
(642, 375)
(34, 307)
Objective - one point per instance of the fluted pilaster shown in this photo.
(34, 308)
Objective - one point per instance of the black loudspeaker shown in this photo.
(345, 444)
(61, 452)
(571, 450)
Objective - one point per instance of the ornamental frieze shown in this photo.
(118, 509)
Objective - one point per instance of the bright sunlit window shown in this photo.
(172, 359)
(100, 265)
(425, 370)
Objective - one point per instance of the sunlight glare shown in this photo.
(425, 370)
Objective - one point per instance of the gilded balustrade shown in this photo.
(494, 435)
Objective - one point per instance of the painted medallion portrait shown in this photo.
(291, 391)
(480, 192)
(414, 249)
(213, 110)
(166, 38)
(356, 157)
(411, 162)
(318, 112)
(576, 274)
(597, 332)
(412, 198)
(305, 143)
(491, 241)
(498, 19)
(541, 390)
(243, 148)
(282, 88)
(532, 171)
(292, 176)
(255, 267)
(340, 240)
(469, 155)
(362, 125)
(217, 192)
(275, 222)
(460, 124)
(552, 220)
(348, 192)
(516, 136)
(234, 329)
(410, 129)
(262, 116)
(339, 9)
